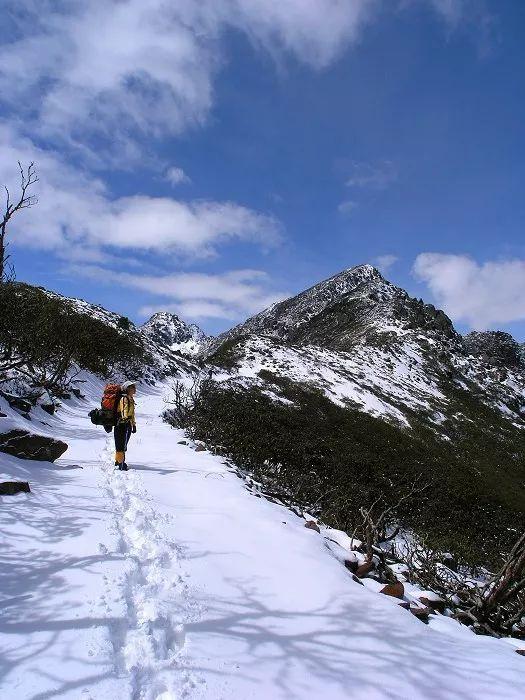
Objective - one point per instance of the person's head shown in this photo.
(129, 388)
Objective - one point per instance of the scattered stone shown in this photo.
(403, 604)
(354, 578)
(48, 408)
(364, 569)
(421, 613)
(25, 445)
(3, 415)
(18, 403)
(200, 448)
(521, 652)
(396, 590)
(437, 605)
(352, 565)
(10, 488)
(182, 442)
(311, 525)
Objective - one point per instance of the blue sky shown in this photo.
(209, 158)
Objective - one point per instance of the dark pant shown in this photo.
(122, 433)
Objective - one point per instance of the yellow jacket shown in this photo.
(126, 410)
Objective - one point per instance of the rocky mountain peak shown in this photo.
(354, 306)
(168, 330)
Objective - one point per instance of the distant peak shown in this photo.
(366, 269)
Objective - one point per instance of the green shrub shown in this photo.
(332, 460)
(43, 337)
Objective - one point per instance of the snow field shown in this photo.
(153, 589)
(173, 581)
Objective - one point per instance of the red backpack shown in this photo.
(110, 397)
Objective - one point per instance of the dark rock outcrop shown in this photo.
(18, 402)
(10, 488)
(496, 348)
(26, 445)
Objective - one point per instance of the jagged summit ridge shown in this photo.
(170, 331)
(355, 305)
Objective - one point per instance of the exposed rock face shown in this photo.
(25, 445)
(496, 348)
(169, 331)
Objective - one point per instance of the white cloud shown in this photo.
(117, 69)
(482, 295)
(374, 176)
(176, 176)
(450, 9)
(385, 262)
(230, 295)
(76, 216)
(347, 207)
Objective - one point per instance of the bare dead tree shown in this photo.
(491, 604)
(499, 607)
(373, 529)
(184, 400)
(28, 178)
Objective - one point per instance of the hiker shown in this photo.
(125, 423)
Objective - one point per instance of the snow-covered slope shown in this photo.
(169, 331)
(173, 581)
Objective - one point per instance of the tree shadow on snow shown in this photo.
(40, 598)
(366, 649)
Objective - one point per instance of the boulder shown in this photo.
(48, 408)
(10, 488)
(182, 442)
(396, 590)
(364, 569)
(311, 525)
(521, 652)
(3, 415)
(405, 605)
(200, 448)
(25, 445)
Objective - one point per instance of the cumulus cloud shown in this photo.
(482, 295)
(176, 176)
(385, 262)
(118, 69)
(230, 295)
(76, 215)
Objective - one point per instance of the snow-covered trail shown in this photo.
(172, 581)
